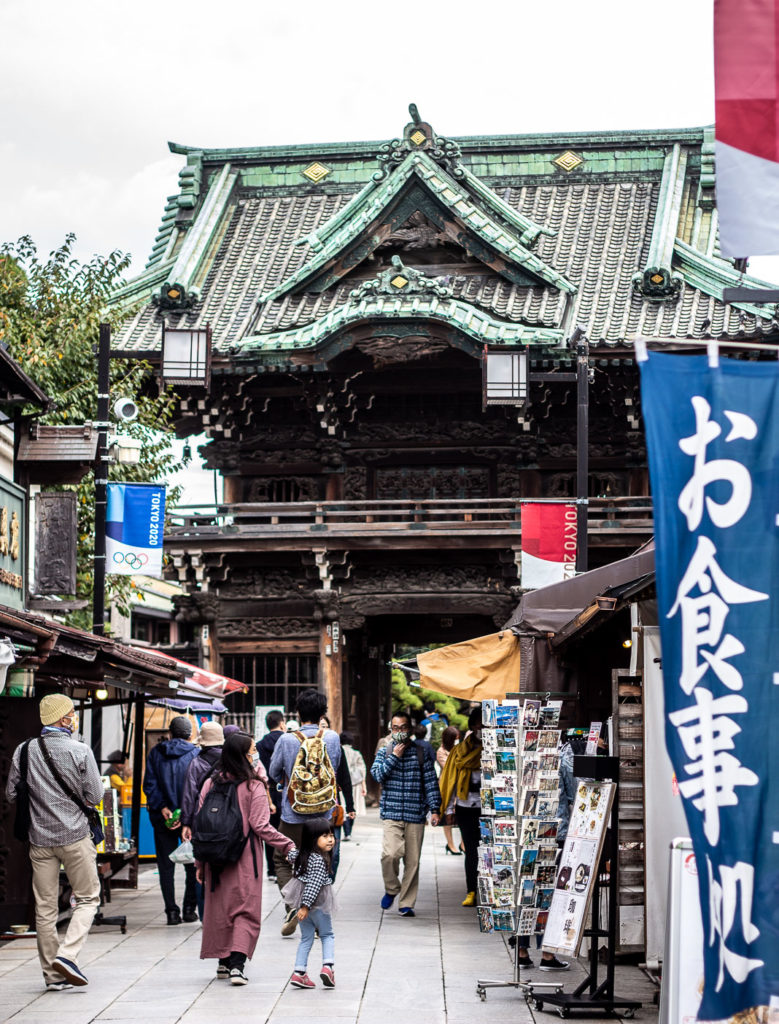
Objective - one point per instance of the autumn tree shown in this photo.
(50, 312)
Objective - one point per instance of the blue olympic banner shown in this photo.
(713, 440)
(134, 529)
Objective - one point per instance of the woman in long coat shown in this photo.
(233, 907)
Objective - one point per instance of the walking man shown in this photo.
(276, 725)
(311, 705)
(163, 784)
(409, 790)
(59, 834)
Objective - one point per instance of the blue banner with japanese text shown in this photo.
(713, 442)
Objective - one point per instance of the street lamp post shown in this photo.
(101, 500)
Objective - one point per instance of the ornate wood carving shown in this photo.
(432, 481)
(266, 583)
(55, 543)
(196, 608)
(270, 627)
(355, 483)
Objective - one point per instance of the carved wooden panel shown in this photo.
(423, 482)
(55, 543)
(276, 489)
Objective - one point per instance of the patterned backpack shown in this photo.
(312, 787)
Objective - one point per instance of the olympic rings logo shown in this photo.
(131, 559)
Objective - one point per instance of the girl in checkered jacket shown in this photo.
(311, 891)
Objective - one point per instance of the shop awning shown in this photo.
(486, 668)
(201, 681)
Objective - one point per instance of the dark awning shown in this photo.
(549, 609)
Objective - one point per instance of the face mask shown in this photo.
(72, 724)
(255, 758)
(477, 735)
(399, 737)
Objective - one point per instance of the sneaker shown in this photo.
(272, 878)
(290, 922)
(190, 915)
(386, 901)
(525, 961)
(237, 977)
(327, 976)
(407, 912)
(299, 980)
(57, 986)
(223, 971)
(554, 965)
(470, 900)
(69, 971)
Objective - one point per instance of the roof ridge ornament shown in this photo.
(398, 279)
(419, 135)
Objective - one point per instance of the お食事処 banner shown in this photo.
(713, 441)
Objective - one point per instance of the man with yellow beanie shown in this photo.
(59, 834)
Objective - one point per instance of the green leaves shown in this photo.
(50, 312)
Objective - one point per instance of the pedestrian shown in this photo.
(118, 770)
(276, 725)
(199, 769)
(449, 737)
(358, 772)
(409, 791)
(233, 890)
(420, 735)
(310, 893)
(163, 784)
(460, 794)
(310, 706)
(59, 834)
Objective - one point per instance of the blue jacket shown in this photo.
(283, 761)
(407, 793)
(166, 771)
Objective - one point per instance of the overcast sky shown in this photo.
(92, 90)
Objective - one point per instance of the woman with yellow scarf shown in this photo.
(460, 785)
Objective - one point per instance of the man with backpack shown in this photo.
(276, 725)
(163, 784)
(200, 768)
(59, 833)
(409, 791)
(305, 762)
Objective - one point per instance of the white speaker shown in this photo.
(125, 409)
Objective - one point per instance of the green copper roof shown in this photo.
(485, 218)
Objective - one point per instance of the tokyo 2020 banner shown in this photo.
(713, 439)
(135, 522)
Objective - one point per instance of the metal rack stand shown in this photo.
(512, 944)
(590, 995)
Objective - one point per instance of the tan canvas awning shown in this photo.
(486, 668)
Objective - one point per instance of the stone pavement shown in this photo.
(386, 965)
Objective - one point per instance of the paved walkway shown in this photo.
(386, 966)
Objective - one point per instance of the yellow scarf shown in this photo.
(456, 776)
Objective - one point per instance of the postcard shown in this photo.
(503, 920)
(505, 831)
(489, 740)
(545, 874)
(529, 834)
(527, 892)
(543, 898)
(546, 807)
(548, 762)
(504, 784)
(486, 859)
(504, 854)
(527, 920)
(548, 782)
(484, 891)
(485, 919)
(548, 739)
(549, 715)
(530, 741)
(506, 761)
(530, 714)
(504, 875)
(504, 803)
(503, 895)
(506, 738)
(527, 863)
(541, 918)
(547, 855)
(529, 772)
(487, 804)
(488, 714)
(507, 714)
(547, 832)
(529, 801)
(485, 829)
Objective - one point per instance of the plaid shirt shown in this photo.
(407, 794)
(55, 819)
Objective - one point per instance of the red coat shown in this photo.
(233, 911)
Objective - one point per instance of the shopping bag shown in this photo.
(183, 854)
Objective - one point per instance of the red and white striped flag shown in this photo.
(746, 76)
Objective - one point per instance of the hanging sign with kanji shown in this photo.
(713, 440)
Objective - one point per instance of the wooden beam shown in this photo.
(301, 645)
(331, 671)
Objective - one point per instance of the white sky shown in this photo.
(92, 90)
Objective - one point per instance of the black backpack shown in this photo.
(217, 837)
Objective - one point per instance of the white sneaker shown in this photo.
(237, 977)
(58, 986)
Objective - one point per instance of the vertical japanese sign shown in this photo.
(548, 543)
(713, 439)
(135, 521)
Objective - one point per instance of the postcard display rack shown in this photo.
(518, 847)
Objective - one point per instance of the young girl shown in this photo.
(311, 891)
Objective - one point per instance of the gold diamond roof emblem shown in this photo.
(418, 137)
(656, 278)
(568, 161)
(316, 172)
(399, 281)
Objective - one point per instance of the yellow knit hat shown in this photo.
(54, 707)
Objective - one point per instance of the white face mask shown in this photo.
(255, 758)
(72, 724)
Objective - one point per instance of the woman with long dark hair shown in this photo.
(233, 890)
(449, 737)
(460, 786)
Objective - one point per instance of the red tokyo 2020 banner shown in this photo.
(548, 543)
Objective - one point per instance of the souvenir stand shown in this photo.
(518, 848)
(578, 886)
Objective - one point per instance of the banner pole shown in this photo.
(101, 479)
(582, 445)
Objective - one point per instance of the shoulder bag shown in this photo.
(22, 820)
(91, 813)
